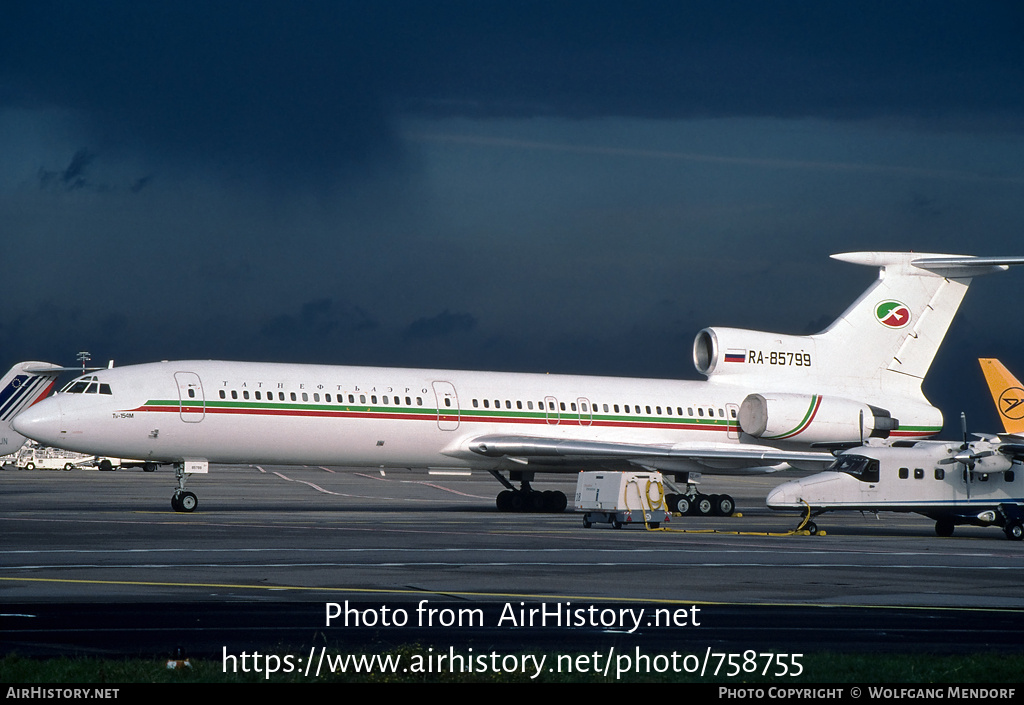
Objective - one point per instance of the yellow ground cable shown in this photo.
(798, 531)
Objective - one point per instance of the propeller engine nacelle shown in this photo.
(812, 418)
(981, 457)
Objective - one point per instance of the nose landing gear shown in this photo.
(181, 500)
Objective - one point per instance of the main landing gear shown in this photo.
(694, 503)
(1010, 517)
(182, 501)
(527, 499)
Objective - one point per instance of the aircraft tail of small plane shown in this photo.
(22, 386)
(1007, 393)
(876, 353)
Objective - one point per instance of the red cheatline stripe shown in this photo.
(432, 416)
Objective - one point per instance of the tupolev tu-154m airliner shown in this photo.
(767, 399)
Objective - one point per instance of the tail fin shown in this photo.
(893, 331)
(880, 348)
(24, 385)
(1007, 393)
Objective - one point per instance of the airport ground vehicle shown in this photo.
(33, 456)
(619, 498)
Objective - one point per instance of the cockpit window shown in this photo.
(864, 469)
(86, 385)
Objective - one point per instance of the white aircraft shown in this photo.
(767, 398)
(979, 483)
(22, 386)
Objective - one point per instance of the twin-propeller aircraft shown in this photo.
(768, 397)
(979, 482)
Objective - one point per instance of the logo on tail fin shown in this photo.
(1011, 403)
(892, 314)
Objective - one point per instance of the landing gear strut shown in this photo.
(182, 501)
(527, 499)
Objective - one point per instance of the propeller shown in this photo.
(970, 453)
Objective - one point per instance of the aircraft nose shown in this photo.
(41, 422)
(782, 497)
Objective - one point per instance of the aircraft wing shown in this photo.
(1014, 450)
(529, 449)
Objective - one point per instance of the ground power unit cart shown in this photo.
(619, 498)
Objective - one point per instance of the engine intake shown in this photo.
(735, 351)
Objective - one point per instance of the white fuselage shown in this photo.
(237, 412)
(905, 480)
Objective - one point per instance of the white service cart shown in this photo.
(619, 498)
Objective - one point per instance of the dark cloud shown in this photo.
(319, 322)
(443, 324)
(254, 88)
(71, 178)
(303, 93)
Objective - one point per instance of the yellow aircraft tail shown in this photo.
(1007, 393)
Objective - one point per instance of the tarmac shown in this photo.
(97, 562)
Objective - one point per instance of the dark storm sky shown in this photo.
(538, 186)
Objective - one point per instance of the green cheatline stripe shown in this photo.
(565, 416)
(428, 412)
(800, 426)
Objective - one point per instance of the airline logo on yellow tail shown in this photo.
(1011, 403)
